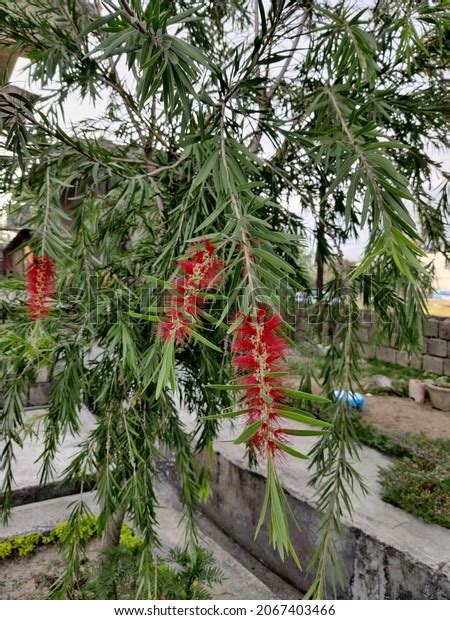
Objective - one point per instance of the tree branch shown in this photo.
(268, 96)
(256, 13)
(134, 18)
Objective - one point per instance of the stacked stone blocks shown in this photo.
(435, 355)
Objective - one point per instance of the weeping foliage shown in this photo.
(216, 116)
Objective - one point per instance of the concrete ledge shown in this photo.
(387, 553)
(31, 494)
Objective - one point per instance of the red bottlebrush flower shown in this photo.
(40, 286)
(259, 355)
(201, 273)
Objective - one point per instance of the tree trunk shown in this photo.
(319, 277)
(320, 241)
(111, 537)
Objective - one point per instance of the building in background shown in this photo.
(14, 253)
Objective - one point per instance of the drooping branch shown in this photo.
(267, 96)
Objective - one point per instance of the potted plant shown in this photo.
(439, 391)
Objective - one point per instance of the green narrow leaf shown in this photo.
(158, 281)
(232, 387)
(97, 23)
(147, 317)
(302, 417)
(290, 450)
(264, 507)
(274, 260)
(304, 395)
(301, 432)
(204, 340)
(278, 374)
(248, 432)
(166, 368)
(205, 170)
(211, 217)
(235, 324)
(219, 416)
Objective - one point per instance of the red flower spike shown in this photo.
(201, 273)
(260, 352)
(40, 286)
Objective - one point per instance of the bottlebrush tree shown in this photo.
(165, 257)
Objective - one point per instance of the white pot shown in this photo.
(440, 397)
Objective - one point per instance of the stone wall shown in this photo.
(435, 351)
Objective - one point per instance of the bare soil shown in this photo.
(31, 577)
(396, 415)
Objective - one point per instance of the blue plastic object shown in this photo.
(355, 400)
(441, 294)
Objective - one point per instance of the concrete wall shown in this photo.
(386, 553)
(435, 350)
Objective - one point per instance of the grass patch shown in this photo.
(302, 362)
(392, 445)
(419, 482)
(373, 367)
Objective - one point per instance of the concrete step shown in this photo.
(244, 578)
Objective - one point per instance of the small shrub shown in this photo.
(128, 538)
(183, 576)
(19, 545)
(6, 549)
(24, 545)
(195, 572)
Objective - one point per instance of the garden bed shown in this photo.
(103, 576)
(41, 570)
(416, 435)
